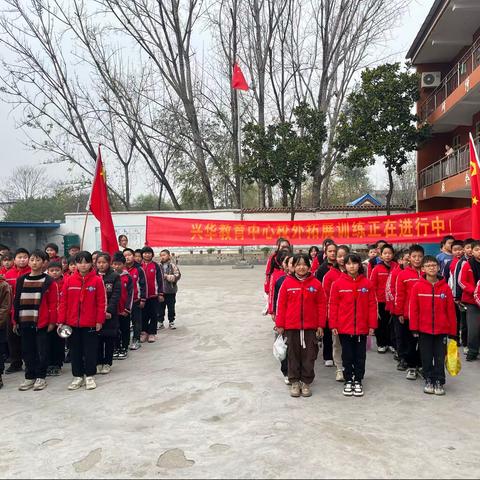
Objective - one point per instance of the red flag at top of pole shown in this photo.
(238, 80)
(475, 184)
(100, 208)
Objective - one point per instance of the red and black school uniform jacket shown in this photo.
(84, 301)
(278, 285)
(379, 278)
(315, 264)
(454, 283)
(3, 270)
(322, 270)
(11, 277)
(432, 308)
(36, 300)
(403, 288)
(331, 276)
(55, 259)
(266, 283)
(390, 289)
(276, 274)
(301, 304)
(153, 278)
(126, 297)
(139, 282)
(353, 306)
(466, 280)
(113, 289)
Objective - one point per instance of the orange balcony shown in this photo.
(457, 98)
(449, 177)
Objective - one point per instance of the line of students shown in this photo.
(405, 303)
(100, 298)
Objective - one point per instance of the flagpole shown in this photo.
(239, 147)
(84, 229)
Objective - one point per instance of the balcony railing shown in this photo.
(446, 167)
(469, 62)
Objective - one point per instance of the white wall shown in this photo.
(132, 224)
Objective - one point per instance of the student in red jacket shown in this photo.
(124, 305)
(379, 277)
(51, 249)
(56, 344)
(154, 281)
(139, 295)
(407, 348)
(7, 263)
(277, 272)
(281, 244)
(20, 267)
(83, 307)
(432, 319)
(352, 316)
(333, 350)
(35, 314)
(301, 314)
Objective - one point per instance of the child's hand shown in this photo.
(142, 304)
(401, 319)
(280, 330)
(108, 316)
(371, 332)
(161, 298)
(98, 327)
(335, 331)
(51, 327)
(320, 332)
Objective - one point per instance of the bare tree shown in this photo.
(25, 183)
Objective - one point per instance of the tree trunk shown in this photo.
(292, 207)
(127, 185)
(284, 198)
(390, 190)
(261, 195)
(270, 196)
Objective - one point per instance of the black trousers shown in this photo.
(473, 322)
(301, 361)
(327, 344)
(123, 339)
(106, 345)
(84, 351)
(432, 351)
(170, 300)
(34, 350)
(137, 320)
(407, 348)
(383, 331)
(56, 349)
(396, 333)
(354, 356)
(150, 316)
(3, 353)
(14, 346)
(463, 328)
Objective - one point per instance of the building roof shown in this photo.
(29, 225)
(360, 201)
(428, 22)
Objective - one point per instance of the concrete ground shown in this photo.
(208, 401)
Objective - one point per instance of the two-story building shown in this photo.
(446, 54)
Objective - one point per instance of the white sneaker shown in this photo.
(26, 385)
(329, 363)
(106, 369)
(358, 390)
(411, 374)
(348, 389)
(40, 384)
(339, 376)
(381, 349)
(135, 345)
(392, 349)
(465, 350)
(99, 369)
(286, 380)
(172, 326)
(77, 382)
(90, 383)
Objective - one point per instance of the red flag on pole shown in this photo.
(238, 80)
(475, 184)
(100, 208)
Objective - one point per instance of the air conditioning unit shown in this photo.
(431, 79)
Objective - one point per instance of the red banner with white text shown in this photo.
(424, 227)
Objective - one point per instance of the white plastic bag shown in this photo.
(280, 348)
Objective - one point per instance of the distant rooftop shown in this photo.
(29, 225)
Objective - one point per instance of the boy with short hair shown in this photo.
(35, 314)
(171, 276)
(445, 254)
(20, 267)
(73, 250)
(124, 305)
(432, 319)
(56, 344)
(407, 343)
(154, 281)
(449, 267)
(139, 295)
(51, 249)
(7, 263)
(5, 312)
(138, 253)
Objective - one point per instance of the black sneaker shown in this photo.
(55, 371)
(402, 366)
(358, 389)
(122, 354)
(471, 358)
(1, 382)
(13, 369)
(49, 371)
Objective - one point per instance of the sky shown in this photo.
(15, 153)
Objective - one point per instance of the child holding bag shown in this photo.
(302, 315)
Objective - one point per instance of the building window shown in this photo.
(456, 142)
(463, 68)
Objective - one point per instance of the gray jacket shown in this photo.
(171, 275)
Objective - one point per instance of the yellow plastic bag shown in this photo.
(452, 359)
